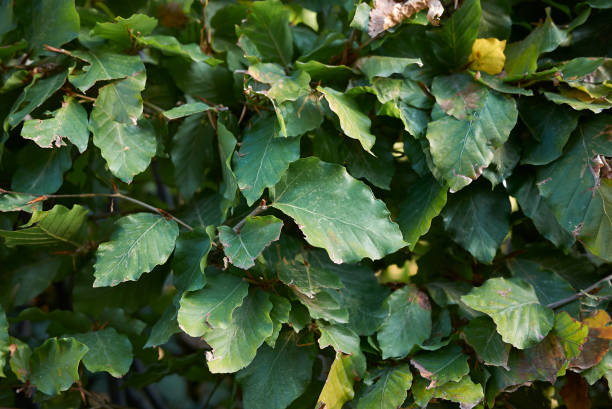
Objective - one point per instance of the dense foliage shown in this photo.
(307, 203)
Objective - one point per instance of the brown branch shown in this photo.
(115, 195)
(261, 208)
(579, 294)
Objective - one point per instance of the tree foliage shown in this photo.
(305, 204)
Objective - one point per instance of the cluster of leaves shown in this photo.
(305, 203)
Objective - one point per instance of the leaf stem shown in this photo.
(261, 208)
(579, 294)
(153, 107)
(116, 195)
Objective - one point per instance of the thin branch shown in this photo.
(153, 107)
(212, 392)
(261, 208)
(111, 195)
(579, 294)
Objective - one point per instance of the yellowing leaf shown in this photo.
(600, 325)
(488, 55)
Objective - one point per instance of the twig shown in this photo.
(261, 208)
(153, 107)
(111, 195)
(579, 294)
(212, 392)
(57, 50)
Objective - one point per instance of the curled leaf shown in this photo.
(389, 13)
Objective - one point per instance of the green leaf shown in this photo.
(408, 323)
(227, 145)
(423, 201)
(383, 66)
(140, 242)
(242, 247)
(495, 21)
(20, 360)
(104, 65)
(550, 125)
(122, 29)
(459, 95)
(70, 122)
(340, 337)
(281, 310)
(295, 118)
(462, 148)
(514, 306)
(320, 71)
(577, 192)
(165, 327)
(524, 188)
(282, 87)
(377, 170)
(199, 79)
(313, 192)
(338, 387)
(126, 144)
(600, 4)
(465, 392)
(52, 23)
(108, 351)
(548, 285)
(326, 304)
(190, 258)
(267, 28)
(4, 341)
(478, 219)
(572, 334)
(54, 365)
(522, 57)
(212, 306)
(480, 333)
(263, 158)
(235, 344)
(187, 109)
(353, 122)
(389, 391)
(28, 280)
(16, 202)
(448, 364)
(45, 171)
(498, 84)
(452, 44)
(7, 18)
(49, 228)
(283, 372)
(169, 45)
(37, 92)
(362, 295)
(192, 152)
(306, 278)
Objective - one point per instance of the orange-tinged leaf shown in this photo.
(600, 325)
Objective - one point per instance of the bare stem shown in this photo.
(580, 294)
(112, 195)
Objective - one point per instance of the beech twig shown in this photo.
(579, 294)
(111, 195)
